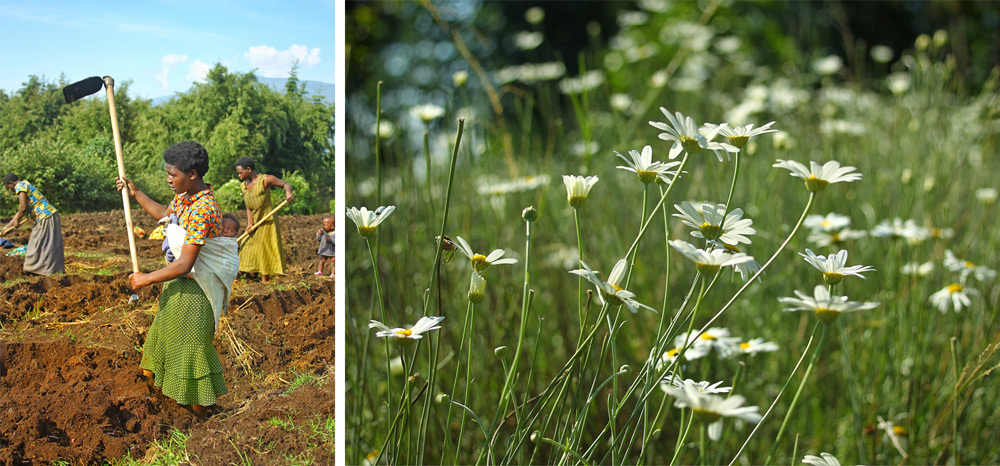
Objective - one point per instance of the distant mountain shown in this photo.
(322, 89)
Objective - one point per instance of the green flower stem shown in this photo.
(378, 143)
(381, 307)
(682, 437)
(508, 382)
(427, 172)
(702, 457)
(454, 386)
(579, 279)
(435, 272)
(954, 404)
(855, 406)
(566, 449)
(788, 382)
(732, 187)
(798, 392)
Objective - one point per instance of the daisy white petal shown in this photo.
(481, 262)
(577, 189)
(827, 308)
(817, 176)
(834, 266)
(367, 221)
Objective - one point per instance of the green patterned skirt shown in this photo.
(178, 348)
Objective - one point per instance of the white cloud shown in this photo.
(168, 62)
(198, 71)
(274, 63)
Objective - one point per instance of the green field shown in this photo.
(540, 372)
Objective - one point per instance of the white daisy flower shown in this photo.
(645, 168)
(699, 346)
(709, 262)
(757, 345)
(667, 358)
(367, 221)
(827, 308)
(825, 459)
(897, 228)
(427, 112)
(577, 189)
(920, 270)
(683, 131)
(834, 266)
(611, 290)
(479, 261)
(710, 408)
(832, 238)
(817, 176)
(954, 296)
(745, 269)
(405, 336)
(704, 386)
(477, 288)
(987, 196)
(828, 222)
(982, 273)
(740, 135)
(706, 219)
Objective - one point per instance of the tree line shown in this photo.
(67, 150)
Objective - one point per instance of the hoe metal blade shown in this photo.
(81, 89)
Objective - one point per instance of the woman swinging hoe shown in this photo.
(178, 353)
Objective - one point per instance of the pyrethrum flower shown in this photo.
(827, 308)
(367, 221)
(709, 262)
(645, 168)
(757, 345)
(699, 346)
(920, 270)
(577, 188)
(683, 131)
(740, 135)
(706, 219)
(611, 290)
(710, 409)
(897, 228)
(834, 266)
(828, 222)
(825, 459)
(980, 272)
(704, 386)
(954, 296)
(479, 261)
(405, 336)
(427, 112)
(817, 176)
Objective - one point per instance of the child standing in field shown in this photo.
(326, 246)
(178, 353)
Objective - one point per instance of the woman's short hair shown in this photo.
(246, 162)
(10, 177)
(187, 156)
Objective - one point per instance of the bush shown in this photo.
(305, 202)
(72, 178)
(229, 196)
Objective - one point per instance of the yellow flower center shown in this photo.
(673, 353)
(969, 265)
(825, 223)
(710, 231)
(835, 237)
(577, 201)
(690, 145)
(899, 430)
(731, 248)
(705, 336)
(405, 333)
(744, 346)
(646, 176)
(832, 278)
(479, 262)
(616, 287)
(815, 184)
(954, 288)
(827, 315)
(367, 232)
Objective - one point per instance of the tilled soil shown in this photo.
(70, 345)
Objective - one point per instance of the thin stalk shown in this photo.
(798, 392)
(954, 405)
(454, 385)
(579, 279)
(855, 409)
(774, 403)
(682, 437)
(381, 307)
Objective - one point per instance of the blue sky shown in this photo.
(163, 46)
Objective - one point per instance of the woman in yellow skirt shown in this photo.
(261, 252)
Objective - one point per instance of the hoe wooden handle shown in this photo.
(109, 85)
(22, 222)
(262, 219)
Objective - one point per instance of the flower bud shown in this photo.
(500, 351)
(529, 214)
(442, 398)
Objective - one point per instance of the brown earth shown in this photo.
(70, 345)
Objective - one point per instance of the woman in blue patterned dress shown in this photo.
(44, 252)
